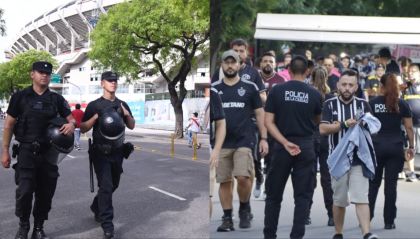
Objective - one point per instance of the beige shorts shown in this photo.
(351, 187)
(234, 163)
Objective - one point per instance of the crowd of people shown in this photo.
(352, 118)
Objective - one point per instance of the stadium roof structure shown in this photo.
(64, 29)
(339, 29)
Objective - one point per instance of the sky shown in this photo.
(17, 13)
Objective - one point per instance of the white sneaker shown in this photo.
(412, 177)
(257, 190)
(401, 175)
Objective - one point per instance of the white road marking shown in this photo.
(167, 193)
(68, 155)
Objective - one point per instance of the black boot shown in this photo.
(38, 232)
(23, 230)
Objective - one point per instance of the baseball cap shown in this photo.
(109, 76)
(42, 66)
(230, 53)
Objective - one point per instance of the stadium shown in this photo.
(64, 31)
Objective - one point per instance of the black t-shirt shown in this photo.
(16, 108)
(332, 82)
(294, 105)
(248, 73)
(392, 67)
(98, 105)
(216, 113)
(239, 102)
(412, 97)
(336, 110)
(390, 122)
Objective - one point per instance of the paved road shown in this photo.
(140, 211)
(407, 222)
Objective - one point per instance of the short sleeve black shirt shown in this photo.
(216, 113)
(390, 122)
(294, 105)
(239, 102)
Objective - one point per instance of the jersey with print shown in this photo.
(336, 110)
(239, 102)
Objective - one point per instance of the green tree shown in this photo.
(231, 28)
(2, 23)
(15, 73)
(163, 35)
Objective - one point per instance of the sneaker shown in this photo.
(401, 175)
(245, 218)
(370, 236)
(330, 222)
(109, 235)
(308, 221)
(338, 236)
(227, 225)
(23, 231)
(38, 233)
(257, 190)
(411, 177)
(389, 226)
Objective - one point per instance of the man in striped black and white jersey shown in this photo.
(338, 115)
(240, 101)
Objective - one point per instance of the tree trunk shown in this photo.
(179, 121)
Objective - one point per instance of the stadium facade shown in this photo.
(64, 31)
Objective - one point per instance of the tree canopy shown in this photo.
(164, 36)
(15, 73)
(233, 26)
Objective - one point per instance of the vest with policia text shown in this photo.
(32, 124)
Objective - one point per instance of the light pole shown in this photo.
(80, 91)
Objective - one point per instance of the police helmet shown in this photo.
(111, 125)
(62, 143)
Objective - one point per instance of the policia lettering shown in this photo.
(28, 117)
(108, 116)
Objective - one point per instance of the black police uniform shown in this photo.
(107, 165)
(249, 73)
(389, 148)
(36, 171)
(295, 105)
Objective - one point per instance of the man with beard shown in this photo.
(241, 101)
(248, 73)
(293, 149)
(338, 115)
(268, 75)
(270, 79)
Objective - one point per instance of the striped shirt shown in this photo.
(336, 110)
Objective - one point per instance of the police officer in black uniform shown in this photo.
(28, 117)
(389, 145)
(292, 111)
(108, 116)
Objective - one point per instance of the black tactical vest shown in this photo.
(37, 112)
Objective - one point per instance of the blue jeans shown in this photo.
(77, 137)
(189, 137)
